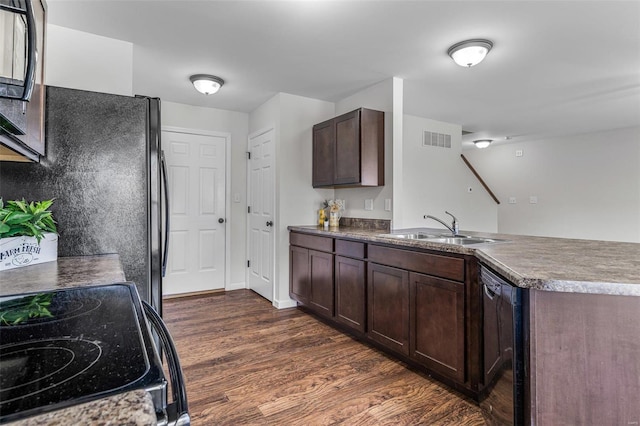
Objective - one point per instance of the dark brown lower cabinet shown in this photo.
(437, 324)
(311, 272)
(388, 307)
(321, 278)
(420, 305)
(300, 285)
(350, 292)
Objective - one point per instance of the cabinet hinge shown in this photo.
(248, 209)
(248, 155)
(248, 263)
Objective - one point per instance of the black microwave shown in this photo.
(22, 90)
(18, 49)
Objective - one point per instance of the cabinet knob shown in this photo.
(221, 220)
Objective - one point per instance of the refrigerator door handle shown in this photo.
(167, 227)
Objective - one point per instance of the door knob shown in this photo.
(270, 223)
(221, 220)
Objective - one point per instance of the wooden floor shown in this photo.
(247, 363)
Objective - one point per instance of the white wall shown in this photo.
(397, 157)
(436, 179)
(237, 124)
(588, 186)
(378, 97)
(79, 60)
(296, 201)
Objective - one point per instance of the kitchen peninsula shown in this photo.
(580, 322)
(133, 407)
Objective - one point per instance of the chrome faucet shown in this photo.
(454, 225)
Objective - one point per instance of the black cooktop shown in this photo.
(71, 346)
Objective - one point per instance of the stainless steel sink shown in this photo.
(463, 240)
(417, 236)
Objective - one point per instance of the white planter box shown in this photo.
(24, 251)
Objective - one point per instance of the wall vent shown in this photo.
(440, 140)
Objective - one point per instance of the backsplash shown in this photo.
(372, 224)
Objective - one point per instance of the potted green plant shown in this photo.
(28, 233)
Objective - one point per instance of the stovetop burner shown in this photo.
(72, 346)
(32, 367)
(44, 307)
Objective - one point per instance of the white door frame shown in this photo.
(227, 188)
(275, 209)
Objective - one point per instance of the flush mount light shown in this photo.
(483, 143)
(470, 52)
(206, 84)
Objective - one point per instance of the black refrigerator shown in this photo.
(104, 167)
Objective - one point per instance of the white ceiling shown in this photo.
(556, 68)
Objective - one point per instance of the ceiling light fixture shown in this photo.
(483, 143)
(206, 84)
(470, 52)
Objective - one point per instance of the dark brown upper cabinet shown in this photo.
(348, 150)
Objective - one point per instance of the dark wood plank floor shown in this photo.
(247, 363)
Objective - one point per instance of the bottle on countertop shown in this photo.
(321, 217)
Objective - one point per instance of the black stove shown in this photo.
(66, 347)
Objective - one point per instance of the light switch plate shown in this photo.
(512, 200)
(387, 204)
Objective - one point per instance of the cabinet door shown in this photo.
(323, 154)
(350, 292)
(347, 163)
(34, 138)
(299, 277)
(388, 307)
(321, 273)
(437, 319)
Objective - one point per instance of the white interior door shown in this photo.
(196, 172)
(261, 188)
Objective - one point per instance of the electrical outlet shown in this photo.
(512, 200)
(533, 199)
(519, 153)
(387, 204)
(368, 204)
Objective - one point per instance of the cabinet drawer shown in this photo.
(430, 264)
(311, 241)
(350, 249)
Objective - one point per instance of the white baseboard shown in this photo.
(236, 286)
(283, 304)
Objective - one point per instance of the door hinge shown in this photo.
(248, 155)
(248, 209)
(248, 263)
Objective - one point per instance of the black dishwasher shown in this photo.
(504, 355)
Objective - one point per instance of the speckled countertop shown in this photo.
(133, 408)
(66, 272)
(542, 263)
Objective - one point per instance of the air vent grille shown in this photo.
(440, 140)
